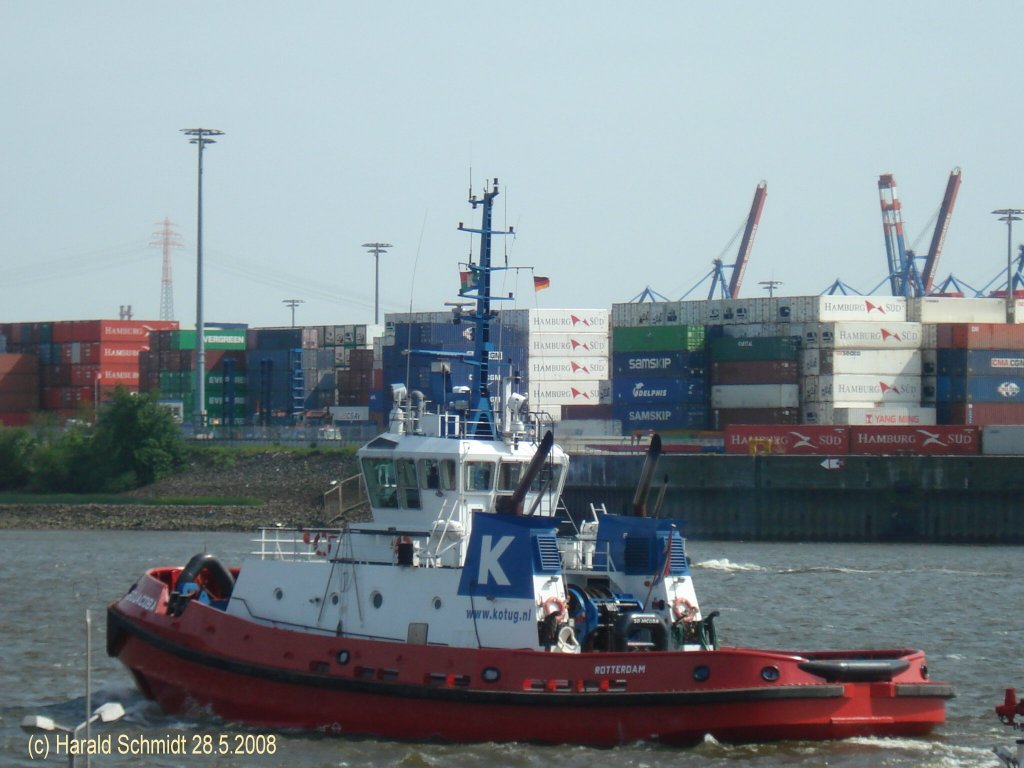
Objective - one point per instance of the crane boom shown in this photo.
(740, 267)
(941, 226)
(900, 267)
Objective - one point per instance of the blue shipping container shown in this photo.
(980, 362)
(979, 389)
(636, 416)
(679, 364)
(658, 390)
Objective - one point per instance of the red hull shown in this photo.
(206, 660)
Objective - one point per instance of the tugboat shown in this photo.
(474, 607)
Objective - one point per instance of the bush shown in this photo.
(16, 446)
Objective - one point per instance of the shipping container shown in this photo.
(889, 415)
(933, 440)
(798, 439)
(979, 389)
(979, 336)
(659, 417)
(943, 309)
(16, 419)
(569, 345)
(350, 413)
(550, 395)
(535, 321)
(832, 309)
(658, 390)
(906, 362)
(723, 417)
(545, 368)
(1003, 440)
(756, 330)
(769, 396)
(103, 330)
(980, 362)
(664, 338)
(854, 388)
(19, 363)
(600, 411)
(981, 414)
(730, 349)
(755, 372)
(672, 364)
(882, 335)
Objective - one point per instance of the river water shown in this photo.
(964, 605)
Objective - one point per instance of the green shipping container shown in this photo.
(658, 338)
(213, 339)
(727, 349)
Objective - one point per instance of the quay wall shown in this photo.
(927, 499)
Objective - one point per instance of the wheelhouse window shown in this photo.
(547, 479)
(437, 474)
(479, 476)
(381, 483)
(408, 487)
(509, 475)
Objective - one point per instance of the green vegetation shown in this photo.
(133, 443)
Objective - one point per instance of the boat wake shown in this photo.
(724, 564)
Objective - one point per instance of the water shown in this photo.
(963, 605)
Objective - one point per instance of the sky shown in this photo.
(628, 139)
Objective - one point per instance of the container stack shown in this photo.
(755, 380)
(980, 373)
(274, 359)
(659, 376)
(169, 366)
(19, 388)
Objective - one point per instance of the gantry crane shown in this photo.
(905, 278)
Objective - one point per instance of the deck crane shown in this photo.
(731, 290)
(905, 278)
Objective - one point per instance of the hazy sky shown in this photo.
(628, 138)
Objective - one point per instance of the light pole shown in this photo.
(1009, 215)
(200, 137)
(770, 286)
(376, 249)
(40, 724)
(292, 304)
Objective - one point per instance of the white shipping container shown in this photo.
(755, 396)
(830, 309)
(814, 362)
(858, 388)
(741, 311)
(886, 415)
(1003, 440)
(946, 309)
(862, 335)
(928, 385)
(546, 368)
(556, 320)
(350, 412)
(588, 428)
(549, 395)
(569, 344)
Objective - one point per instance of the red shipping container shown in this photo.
(24, 364)
(19, 401)
(916, 440)
(796, 439)
(984, 414)
(755, 372)
(725, 416)
(979, 336)
(15, 419)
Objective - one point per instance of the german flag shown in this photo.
(540, 283)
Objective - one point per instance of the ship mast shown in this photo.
(482, 424)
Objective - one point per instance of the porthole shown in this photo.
(701, 673)
(278, 593)
(491, 675)
(334, 598)
(770, 674)
(343, 657)
(437, 603)
(377, 599)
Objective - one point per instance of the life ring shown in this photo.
(400, 540)
(683, 609)
(322, 544)
(554, 606)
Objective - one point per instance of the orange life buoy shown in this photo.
(554, 605)
(683, 609)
